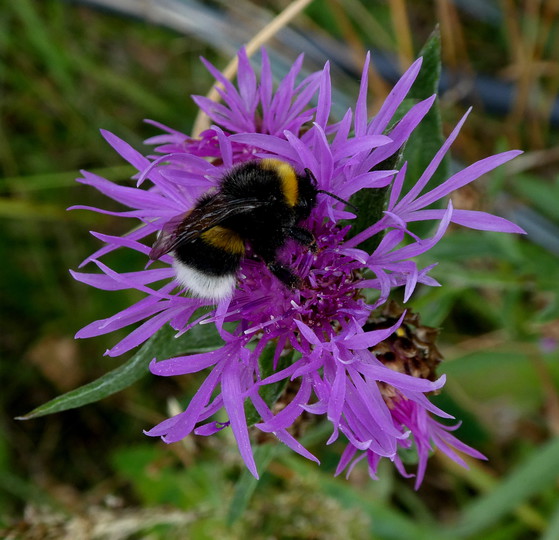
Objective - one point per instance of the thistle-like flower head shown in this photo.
(321, 337)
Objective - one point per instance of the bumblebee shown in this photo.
(260, 203)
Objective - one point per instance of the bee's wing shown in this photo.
(187, 227)
(167, 237)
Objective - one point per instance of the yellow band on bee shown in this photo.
(225, 239)
(288, 177)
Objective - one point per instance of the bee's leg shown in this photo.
(303, 236)
(284, 274)
(267, 249)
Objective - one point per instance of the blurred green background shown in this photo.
(70, 68)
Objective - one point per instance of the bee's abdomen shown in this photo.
(225, 239)
(208, 258)
(208, 265)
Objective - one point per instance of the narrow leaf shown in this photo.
(247, 483)
(427, 82)
(427, 138)
(552, 531)
(162, 345)
(537, 473)
(270, 393)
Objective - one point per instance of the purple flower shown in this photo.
(412, 349)
(423, 430)
(322, 326)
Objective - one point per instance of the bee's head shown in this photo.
(307, 194)
(314, 191)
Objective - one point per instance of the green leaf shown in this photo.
(163, 344)
(246, 485)
(552, 532)
(427, 82)
(435, 304)
(542, 193)
(371, 204)
(418, 151)
(270, 393)
(539, 472)
(427, 138)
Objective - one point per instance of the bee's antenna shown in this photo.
(347, 203)
(312, 178)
